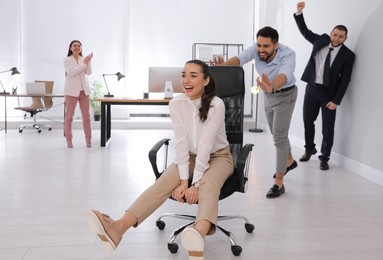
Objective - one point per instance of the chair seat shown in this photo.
(230, 186)
(29, 109)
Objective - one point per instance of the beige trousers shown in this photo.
(220, 168)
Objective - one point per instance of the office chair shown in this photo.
(38, 106)
(231, 89)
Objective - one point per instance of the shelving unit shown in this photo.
(207, 51)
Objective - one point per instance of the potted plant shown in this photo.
(96, 92)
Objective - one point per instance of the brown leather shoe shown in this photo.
(307, 155)
(324, 166)
(105, 228)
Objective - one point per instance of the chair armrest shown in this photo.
(153, 155)
(243, 162)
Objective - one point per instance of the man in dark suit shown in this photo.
(328, 73)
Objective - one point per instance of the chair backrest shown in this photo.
(48, 101)
(36, 103)
(230, 87)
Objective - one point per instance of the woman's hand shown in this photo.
(191, 195)
(179, 192)
(88, 58)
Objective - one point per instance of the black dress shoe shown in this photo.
(289, 168)
(307, 155)
(324, 166)
(275, 191)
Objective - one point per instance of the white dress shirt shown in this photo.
(194, 136)
(320, 58)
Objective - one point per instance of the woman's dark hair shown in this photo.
(70, 45)
(209, 90)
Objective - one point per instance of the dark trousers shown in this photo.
(316, 98)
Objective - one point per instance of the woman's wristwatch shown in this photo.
(196, 184)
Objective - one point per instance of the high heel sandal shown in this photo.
(69, 144)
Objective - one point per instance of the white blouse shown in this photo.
(194, 136)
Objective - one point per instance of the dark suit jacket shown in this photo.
(341, 68)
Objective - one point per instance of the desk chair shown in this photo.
(39, 104)
(231, 89)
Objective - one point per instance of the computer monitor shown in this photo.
(158, 76)
(35, 88)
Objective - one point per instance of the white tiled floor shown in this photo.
(46, 190)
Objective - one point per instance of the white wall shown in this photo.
(359, 122)
(124, 35)
(46, 34)
(9, 47)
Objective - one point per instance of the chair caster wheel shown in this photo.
(173, 248)
(237, 250)
(161, 225)
(249, 227)
(20, 131)
(39, 131)
(50, 129)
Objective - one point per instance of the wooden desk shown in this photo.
(22, 95)
(106, 111)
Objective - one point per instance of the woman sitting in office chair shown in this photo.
(202, 156)
(76, 88)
